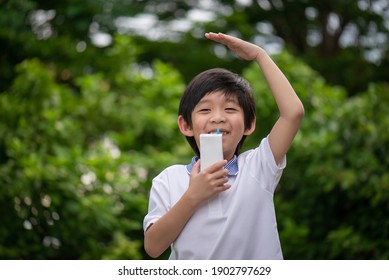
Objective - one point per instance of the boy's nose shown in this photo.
(218, 117)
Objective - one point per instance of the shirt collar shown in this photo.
(231, 166)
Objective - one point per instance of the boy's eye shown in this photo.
(204, 110)
(231, 109)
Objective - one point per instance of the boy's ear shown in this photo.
(185, 128)
(251, 129)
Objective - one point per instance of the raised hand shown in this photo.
(243, 49)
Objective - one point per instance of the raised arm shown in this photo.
(289, 105)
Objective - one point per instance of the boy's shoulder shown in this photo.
(261, 155)
(173, 180)
(174, 170)
(254, 151)
(175, 167)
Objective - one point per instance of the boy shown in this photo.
(225, 211)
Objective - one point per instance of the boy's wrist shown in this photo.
(260, 54)
(190, 200)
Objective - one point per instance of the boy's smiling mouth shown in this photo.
(223, 132)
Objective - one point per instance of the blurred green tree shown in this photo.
(76, 162)
(340, 39)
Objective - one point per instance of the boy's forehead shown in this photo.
(228, 97)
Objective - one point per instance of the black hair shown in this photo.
(212, 80)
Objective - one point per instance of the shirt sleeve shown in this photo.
(265, 146)
(159, 201)
(264, 167)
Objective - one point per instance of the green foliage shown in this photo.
(76, 161)
(347, 34)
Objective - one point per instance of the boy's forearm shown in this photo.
(287, 101)
(163, 233)
(289, 105)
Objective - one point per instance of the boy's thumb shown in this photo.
(196, 167)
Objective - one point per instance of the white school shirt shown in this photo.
(239, 223)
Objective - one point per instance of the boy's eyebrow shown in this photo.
(228, 99)
(203, 100)
(232, 99)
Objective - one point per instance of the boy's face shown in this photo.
(216, 111)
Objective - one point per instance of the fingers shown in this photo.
(242, 49)
(216, 175)
(219, 183)
(216, 166)
(220, 38)
(196, 168)
(223, 188)
(216, 169)
(208, 182)
(215, 37)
